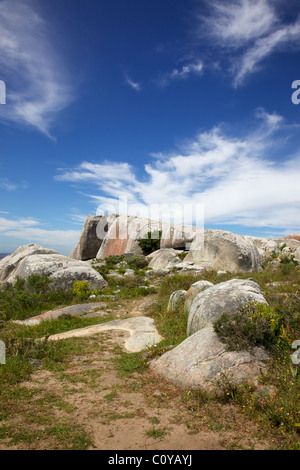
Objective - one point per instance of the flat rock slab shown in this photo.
(142, 332)
(73, 310)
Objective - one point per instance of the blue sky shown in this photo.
(162, 102)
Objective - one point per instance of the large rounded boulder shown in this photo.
(220, 250)
(225, 297)
(202, 359)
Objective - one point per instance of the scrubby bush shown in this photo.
(137, 262)
(258, 325)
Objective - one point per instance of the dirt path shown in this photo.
(128, 412)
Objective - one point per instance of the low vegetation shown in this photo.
(274, 404)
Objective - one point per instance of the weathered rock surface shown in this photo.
(221, 250)
(225, 297)
(176, 300)
(10, 262)
(141, 330)
(72, 310)
(63, 271)
(194, 290)
(200, 360)
(266, 248)
(122, 236)
(178, 236)
(297, 254)
(277, 248)
(211, 249)
(92, 235)
(165, 258)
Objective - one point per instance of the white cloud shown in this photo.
(36, 80)
(110, 176)
(29, 231)
(7, 224)
(239, 21)
(235, 178)
(249, 31)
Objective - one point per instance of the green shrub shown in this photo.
(112, 260)
(38, 283)
(151, 243)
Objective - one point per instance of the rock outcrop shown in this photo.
(222, 250)
(277, 249)
(125, 231)
(62, 271)
(202, 359)
(123, 235)
(209, 249)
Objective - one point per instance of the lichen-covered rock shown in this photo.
(178, 236)
(62, 270)
(123, 235)
(225, 297)
(267, 248)
(297, 254)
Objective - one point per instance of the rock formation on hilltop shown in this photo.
(209, 249)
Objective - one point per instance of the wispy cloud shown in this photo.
(5, 184)
(134, 85)
(9, 186)
(37, 84)
(234, 177)
(236, 22)
(248, 32)
(263, 48)
(181, 73)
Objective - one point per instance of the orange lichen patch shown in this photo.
(115, 247)
(293, 237)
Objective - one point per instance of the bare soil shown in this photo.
(129, 412)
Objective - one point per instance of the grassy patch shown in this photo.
(156, 433)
